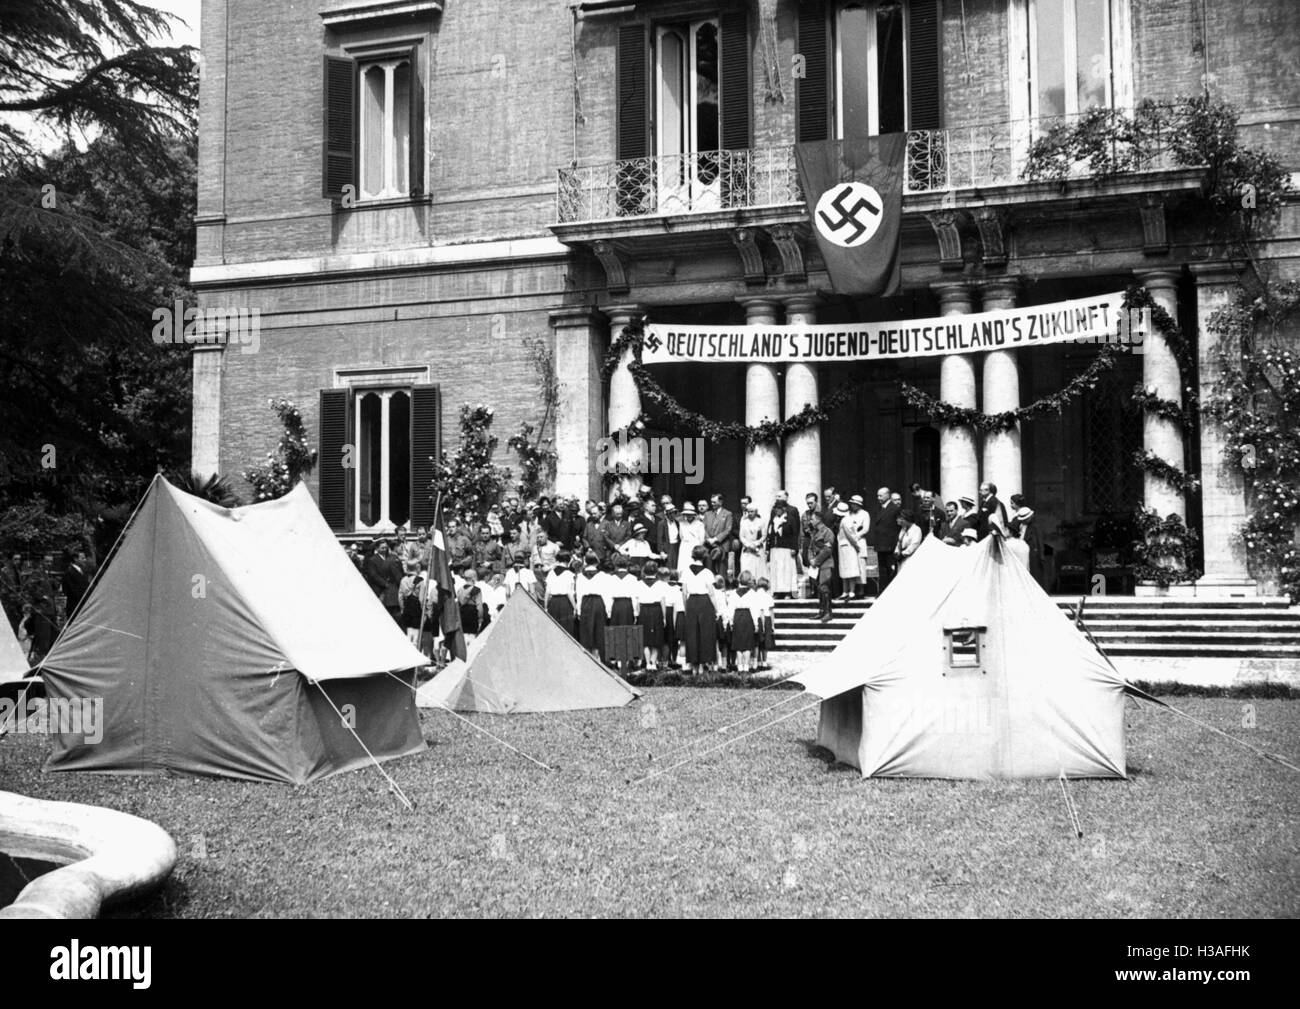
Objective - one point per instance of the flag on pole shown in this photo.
(854, 189)
(448, 607)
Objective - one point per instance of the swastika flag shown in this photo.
(854, 189)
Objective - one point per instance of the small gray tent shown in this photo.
(234, 642)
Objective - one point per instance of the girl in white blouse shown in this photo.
(700, 605)
(562, 593)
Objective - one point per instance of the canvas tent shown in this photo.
(965, 668)
(13, 663)
(523, 662)
(234, 642)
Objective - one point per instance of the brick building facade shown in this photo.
(531, 169)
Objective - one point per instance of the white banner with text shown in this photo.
(1100, 319)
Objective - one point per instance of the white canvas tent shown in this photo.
(965, 668)
(13, 663)
(237, 642)
(524, 662)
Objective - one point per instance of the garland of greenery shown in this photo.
(1149, 402)
(951, 415)
(677, 419)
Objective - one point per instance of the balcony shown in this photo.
(938, 162)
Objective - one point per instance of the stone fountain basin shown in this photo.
(109, 856)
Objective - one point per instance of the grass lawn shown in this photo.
(764, 827)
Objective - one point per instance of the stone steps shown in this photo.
(1146, 627)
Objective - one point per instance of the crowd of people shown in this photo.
(699, 580)
(39, 597)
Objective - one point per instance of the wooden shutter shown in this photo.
(632, 75)
(735, 89)
(813, 91)
(416, 168)
(924, 63)
(426, 448)
(340, 141)
(333, 439)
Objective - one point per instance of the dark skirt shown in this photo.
(724, 635)
(621, 613)
(769, 634)
(672, 621)
(561, 608)
(743, 638)
(591, 624)
(470, 618)
(651, 620)
(700, 631)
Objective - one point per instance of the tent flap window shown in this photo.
(964, 643)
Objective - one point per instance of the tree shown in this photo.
(292, 460)
(467, 480)
(88, 66)
(91, 242)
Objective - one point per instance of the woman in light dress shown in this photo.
(753, 544)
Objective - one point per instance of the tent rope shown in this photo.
(1138, 692)
(378, 766)
(1069, 804)
(724, 728)
(479, 728)
(1277, 758)
(728, 742)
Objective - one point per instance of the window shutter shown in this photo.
(340, 146)
(734, 84)
(812, 92)
(633, 92)
(924, 58)
(333, 475)
(416, 168)
(426, 448)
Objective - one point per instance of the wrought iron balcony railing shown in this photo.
(986, 155)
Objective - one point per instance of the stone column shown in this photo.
(1002, 458)
(1223, 491)
(1160, 376)
(803, 451)
(205, 419)
(762, 402)
(958, 464)
(625, 401)
(580, 340)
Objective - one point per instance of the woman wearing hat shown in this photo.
(690, 532)
(1024, 541)
(909, 538)
(846, 550)
(855, 529)
(753, 543)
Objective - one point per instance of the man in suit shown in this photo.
(819, 556)
(460, 547)
(960, 521)
(884, 530)
(489, 558)
(614, 531)
(11, 589)
(719, 527)
(990, 506)
(76, 579)
(668, 536)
